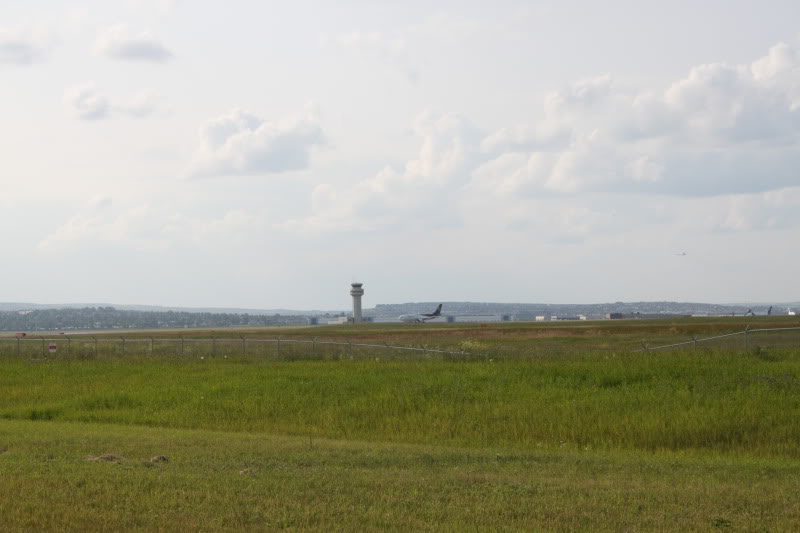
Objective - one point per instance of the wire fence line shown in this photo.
(45, 347)
(750, 338)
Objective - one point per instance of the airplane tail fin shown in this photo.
(438, 310)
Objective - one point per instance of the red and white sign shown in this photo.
(52, 348)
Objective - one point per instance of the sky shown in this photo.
(267, 154)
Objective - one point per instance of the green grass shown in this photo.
(544, 429)
(323, 485)
(738, 402)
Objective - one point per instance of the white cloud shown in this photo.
(557, 222)
(147, 227)
(514, 173)
(144, 104)
(134, 227)
(100, 202)
(241, 143)
(547, 135)
(166, 7)
(721, 104)
(449, 147)
(730, 132)
(389, 50)
(423, 193)
(645, 169)
(722, 129)
(23, 47)
(87, 103)
(119, 42)
(773, 210)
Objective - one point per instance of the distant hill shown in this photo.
(525, 311)
(18, 306)
(107, 317)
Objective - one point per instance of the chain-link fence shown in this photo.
(91, 347)
(746, 339)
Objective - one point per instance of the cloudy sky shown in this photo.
(267, 154)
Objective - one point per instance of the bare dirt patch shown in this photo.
(105, 458)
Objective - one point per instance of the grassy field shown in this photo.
(494, 340)
(552, 428)
(235, 481)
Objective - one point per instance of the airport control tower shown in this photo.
(356, 292)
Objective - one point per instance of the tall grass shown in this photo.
(743, 403)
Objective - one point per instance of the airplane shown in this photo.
(751, 313)
(422, 317)
(681, 253)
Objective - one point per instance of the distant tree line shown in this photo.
(112, 318)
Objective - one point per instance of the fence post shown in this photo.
(279, 345)
(746, 343)
(213, 346)
(17, 346)
(42, 345)
(351, 347)
(314, 345)
(181, 338)
(95, 345)
(69, 345)
(152, 350)
(694, 340)
(123, 345)
(244, 345)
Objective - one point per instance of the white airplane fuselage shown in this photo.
(415, 318)
(421, 317)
